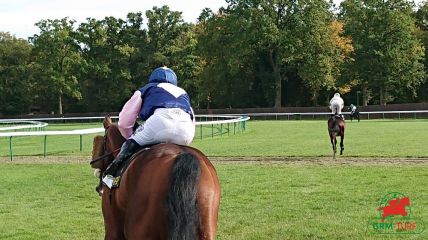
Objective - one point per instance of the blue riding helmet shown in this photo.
(163, 74)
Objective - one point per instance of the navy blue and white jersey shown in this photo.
(163, 95)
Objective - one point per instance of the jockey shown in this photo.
(336, 105)
(353, 108)
(167, 113)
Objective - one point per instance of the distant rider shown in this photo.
(354, 112)
(353, 109)
(336, 105)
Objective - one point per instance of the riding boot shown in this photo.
(126, 151)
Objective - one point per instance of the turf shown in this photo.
(259, 201)
(373, 138)
(273, 200)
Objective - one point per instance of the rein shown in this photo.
(104, 146)
(103, 156)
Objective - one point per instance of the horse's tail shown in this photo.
(183, 220)
(334, 127)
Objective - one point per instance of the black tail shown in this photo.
(334, 125)
(183, 217)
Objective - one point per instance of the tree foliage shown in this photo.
(251, 53)
(56, 54)
(15, 82)
(388, 56)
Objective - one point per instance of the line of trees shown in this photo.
(250, 54)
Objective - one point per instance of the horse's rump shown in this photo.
(160, 191)
(333, 125)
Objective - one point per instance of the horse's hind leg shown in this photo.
(342, 147)
(333, 144)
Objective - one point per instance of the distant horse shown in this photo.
(356, 115)
(336, 127)
(167, 192)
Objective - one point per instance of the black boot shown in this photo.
(126, 151)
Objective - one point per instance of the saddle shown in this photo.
(339, 116)
(115, 182)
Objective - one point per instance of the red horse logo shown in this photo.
(395, 207)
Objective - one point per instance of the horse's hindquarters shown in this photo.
(138, 208)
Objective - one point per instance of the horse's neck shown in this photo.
(115, 137)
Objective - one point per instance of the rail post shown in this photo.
(10, 148)
(44, 145)
(81, 142)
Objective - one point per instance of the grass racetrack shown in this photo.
(278, 182)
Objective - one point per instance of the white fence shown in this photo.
(212, 121)
(314, 115)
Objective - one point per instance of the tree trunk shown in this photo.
(382, 96)
(60, 103)
(277, 77)
(365, 95)
(278, 93)
(315, 97)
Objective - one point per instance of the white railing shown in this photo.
(289, 116)
(28, 124)
(227, 121)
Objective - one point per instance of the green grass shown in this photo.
(374, 138)
(311, 202)
(259, 201)
(49, 201)
(275, 201)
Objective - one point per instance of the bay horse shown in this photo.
(168, 191)
(336, 127)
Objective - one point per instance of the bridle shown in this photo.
(104, 148)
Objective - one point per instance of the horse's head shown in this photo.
(105, 148)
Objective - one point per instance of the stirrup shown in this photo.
(108, 180)
(111, 182)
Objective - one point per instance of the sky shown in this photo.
(19, 16)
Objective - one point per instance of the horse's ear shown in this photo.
(107, 121)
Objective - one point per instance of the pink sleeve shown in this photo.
(129, 114)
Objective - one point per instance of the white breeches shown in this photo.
(336, 107)
(166, 125)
